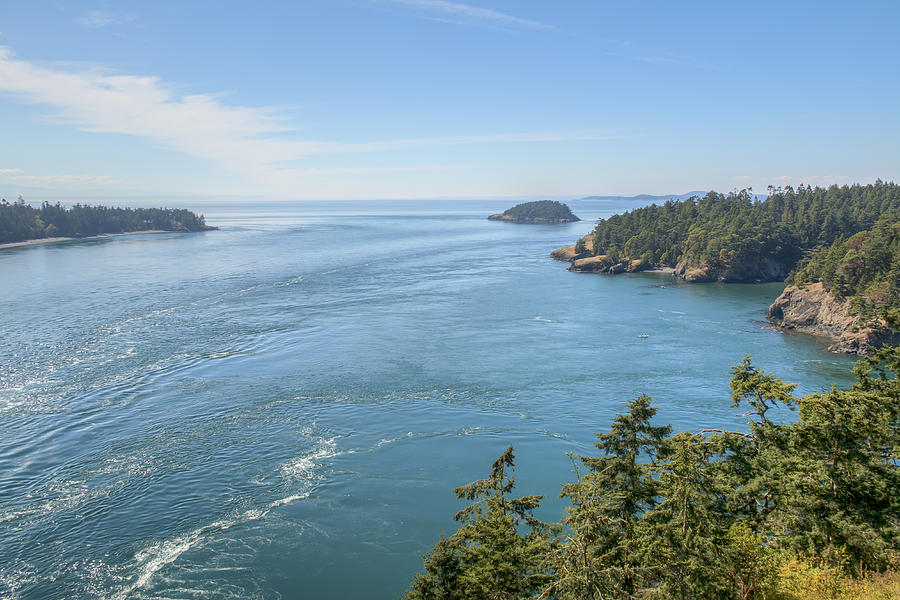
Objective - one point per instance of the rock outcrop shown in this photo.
(812, 309)
(514, 219)
(572, 253)
(584, 262)
(757, 272)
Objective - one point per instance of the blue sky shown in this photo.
(323, 99)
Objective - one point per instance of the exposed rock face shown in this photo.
(571, 253)
(811, 309)
(739, 272)
(566, 254)
(538, 220)
(502, 217)
(604, 264)
(583, 262)
(765, 270)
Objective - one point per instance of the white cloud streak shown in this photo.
(470, 13)
(9, 171)
(67, 180)
(239, 139)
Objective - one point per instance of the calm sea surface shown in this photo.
(281, 409)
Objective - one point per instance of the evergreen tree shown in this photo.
(681, 536)
(601, 558)
(847, 446)
(489, 557)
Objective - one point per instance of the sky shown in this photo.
(377, 99)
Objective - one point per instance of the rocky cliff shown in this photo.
(736, 272)
(812, 309)
(515, 219)
(583, 261)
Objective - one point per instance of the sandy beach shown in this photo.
(67, 239)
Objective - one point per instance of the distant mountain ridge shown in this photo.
(648, 197)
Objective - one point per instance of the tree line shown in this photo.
(541, 210)
(864, 267)
(737, 232)
(20, 221)
(806, 510)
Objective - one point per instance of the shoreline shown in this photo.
(69, 239)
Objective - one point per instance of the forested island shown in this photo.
(21, 222)
(835, 246)
(540, 211)
(808, 510)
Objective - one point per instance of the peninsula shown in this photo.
(540, 211)
(21, 224)
(849, 291)
(834, 246)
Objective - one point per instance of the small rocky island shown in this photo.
(540, 211)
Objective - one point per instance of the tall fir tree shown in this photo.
(601, 558)
(489, 557)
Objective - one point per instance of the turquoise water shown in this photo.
(282, 408)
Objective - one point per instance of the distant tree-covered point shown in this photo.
(734, 237)
(21, 222)
(540, 211)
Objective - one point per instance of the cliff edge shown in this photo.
(812, 309)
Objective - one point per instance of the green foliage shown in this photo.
(734, 233)
(541, 210)
(865, 268)
(607, 502)
(749, 563)
(681, 537)
(806, 510)
(20, 222)
(488, 557)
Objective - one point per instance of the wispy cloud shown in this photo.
(9, 171)
(240, 139)
(97, 18)
(67, 180)
(467, 14)
(459, 140)
(376, 170)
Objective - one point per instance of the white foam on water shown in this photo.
(305, 466)
(293, 281)
(13, 578)
(155, 557)
(385, 441)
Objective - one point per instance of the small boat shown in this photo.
(643, 335)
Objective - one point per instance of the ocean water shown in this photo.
(281, 409)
